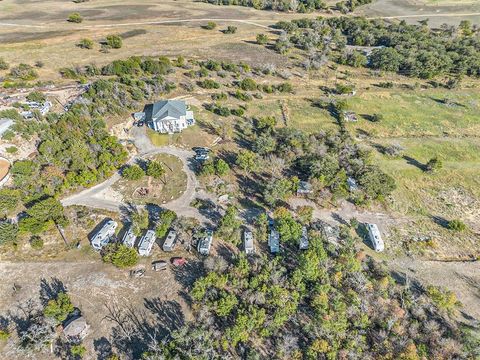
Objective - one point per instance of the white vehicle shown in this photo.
(304, 239)
(170, 241)
(274, 241)
(146, 243)
(205, 243)
(375, 237)
(248, 242)
(129, 238)
(104, 236)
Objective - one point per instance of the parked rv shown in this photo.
(146, 243)
(170, 241)
(205, 243)
(129, 238)
(375, 237)
(104, 235)
(304, 239)
(248, 242)
(274, 241)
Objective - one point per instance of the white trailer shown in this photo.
(205, 243)
(170, 241)
(104, 235)
(146, 243)
(248, 242)
(375, 237)
(129, 238)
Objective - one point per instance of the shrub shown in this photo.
(230, 30)
(210, 25)
(8, 135)
(377, 117)
(248, 84)
(208, 84)
(78, 350)
(4, 334)
(36, 242)
(114, 41)
(75, 18)
(133, 172)
(120, 255)
(36, 96)
(262, 39)
(39, 64)
(444, 299)
(434, 164)
(12, 149)
(86, 44)
(3, 64)
(456, 225)
(24, 72)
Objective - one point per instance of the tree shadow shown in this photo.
(168, 313)
(103, 348)
(226, 253)
(50, 290)
(187, 274)
(440, 221)
(414, 162)
(339, 219)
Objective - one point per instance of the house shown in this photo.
(304, 239)
(205, 243)
(129, 238)
(76, 329)
(146, 243)
(350, 116)
(375, 237)
(170, 241)
(167, 116)
(274, 241)
(248, 242)
(104, 235)
(304, 188)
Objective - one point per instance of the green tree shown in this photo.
(262, 39)
(444, 299)
(434, 164)
(114, 41)
(42, 215)
(9, 200)
(457, 225)
(167, 217)
(221, 167)
(387, 59)
(230, 30)
(78, 351)
(247, 160)
(248, 84)
(288, 228)
(155, 169)
(36, 242)
(8, 232)
(75, 18)
(59, 308)
(133, 172)
(120, 255)
(140, 221)
(36, 96)
(210, 25)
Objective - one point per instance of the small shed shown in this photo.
(170, 241)
(76, 329)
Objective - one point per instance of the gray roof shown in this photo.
(166, 108)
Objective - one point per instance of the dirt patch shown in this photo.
(21, 36)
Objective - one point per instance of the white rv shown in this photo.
(375, 237)
(104, 236)
(274, 241)
(146, 243)
(129, 238)
(205, 243)
(170, 241)
(248, 242)
(304, 239)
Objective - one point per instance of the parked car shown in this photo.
(201, 153)
(137, 273)
(159, 265)
(178, 261)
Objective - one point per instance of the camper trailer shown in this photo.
(304, 239)
(129, 238)
(170, 241)
(146, 243)
(248, 242)
(104, 235)
(274, 241)
(205, 243)
(375, 238)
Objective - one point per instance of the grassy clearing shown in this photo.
(160, 191)
(419, 113)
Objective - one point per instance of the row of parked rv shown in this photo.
(145, 245)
